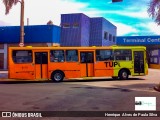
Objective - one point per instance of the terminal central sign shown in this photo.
(142, 40)
(139, 40)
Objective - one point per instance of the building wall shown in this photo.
(33, 34)
(89, 33)
(85, 30)
(1, 60)
(155, 56)
(111, 31)
(3, 56)
(102, 32)
(9, 34)
(42, 33)
(96, 32)
(70, 36)
(74, 30)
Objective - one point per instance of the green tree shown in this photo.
(8, 5)
(154, 10)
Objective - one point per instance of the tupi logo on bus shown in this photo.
(112, 64)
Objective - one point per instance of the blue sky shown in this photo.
(130, 16)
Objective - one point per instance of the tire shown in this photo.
(57, 76)
(115, 78)
(123, 75)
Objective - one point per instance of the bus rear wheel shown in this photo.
(123, 75)
(57, 76)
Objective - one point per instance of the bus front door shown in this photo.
(87, 64)
(139, 62)
(41, 65)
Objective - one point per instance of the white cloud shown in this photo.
(140, 14)
(153, 27)
(131, 11)
(41, 11)
(2, 23)
(123, 29)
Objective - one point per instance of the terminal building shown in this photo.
(102, 32)
(152, 44)
(75, 30)
(80, 30)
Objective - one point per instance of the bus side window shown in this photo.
(57, 56)
(71, 55)
(123, 54)
(103, 55)
(83, 58)
(98, 58)
(22, 56)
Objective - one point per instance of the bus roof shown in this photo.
(80, 48)
(128, 47)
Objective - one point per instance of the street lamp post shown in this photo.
(22, 22)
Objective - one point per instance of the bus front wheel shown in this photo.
(123, 75)
(57, 76)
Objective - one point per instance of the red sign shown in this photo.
(21, 44)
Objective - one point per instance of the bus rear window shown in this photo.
(22, 56)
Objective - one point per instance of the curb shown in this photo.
(157, 89)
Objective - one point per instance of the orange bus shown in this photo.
(58, 63)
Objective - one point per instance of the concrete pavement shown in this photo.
(95, 95)
(3, 74)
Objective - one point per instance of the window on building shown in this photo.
(123, 55)
(110, 37)
(66, 25)
(75, 25)
(155, 60)
(105, 35)
(57, 56)
(103, 55)
(114, 39)
(151, 60)
(1, 46)
(22, 56)
(154, 52)
(71, 55)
